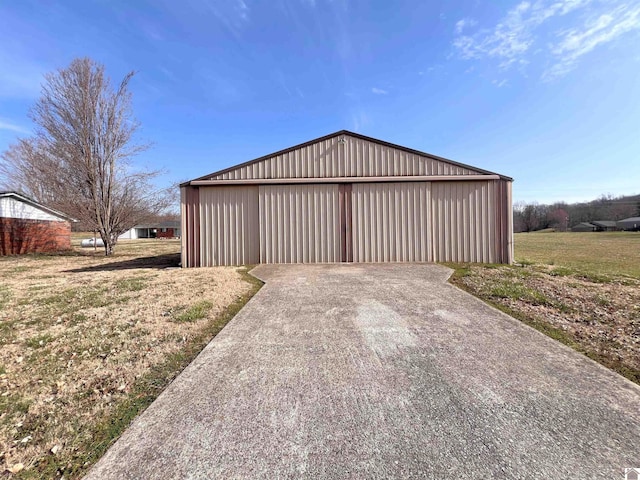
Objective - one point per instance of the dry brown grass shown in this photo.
(78, 331)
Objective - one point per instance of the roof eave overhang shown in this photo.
(39, 206)
(295, 181)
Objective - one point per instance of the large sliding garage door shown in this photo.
(300, 223)
(228, 226)
(391, 222)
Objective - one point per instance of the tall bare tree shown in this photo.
(79, 160)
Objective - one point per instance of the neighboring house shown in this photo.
(605, 225)
(168, 229)
(347, 198)
(27, 226)
(584, 227)
(632, 224)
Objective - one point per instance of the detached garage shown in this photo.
(347, 198)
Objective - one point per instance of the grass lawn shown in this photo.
(602, 253)
(87, 342)
(582, 289)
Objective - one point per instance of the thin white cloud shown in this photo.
(465, 23)
(379, 91)
(233, 14)
(575, 43)
(529, 29)
(242, 9)
(12, 127)
(515, 33)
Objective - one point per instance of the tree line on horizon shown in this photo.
(562, 216)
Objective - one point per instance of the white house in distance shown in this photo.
(167, 229)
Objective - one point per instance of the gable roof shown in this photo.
(584, 225)
(33, 203)
(228, 172)
(604, 223)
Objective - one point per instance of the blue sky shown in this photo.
(545, 91)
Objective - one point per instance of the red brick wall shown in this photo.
(170, 233)
(33, 236)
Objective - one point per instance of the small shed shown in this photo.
(27, 226)
(346, 197)
(631, 224)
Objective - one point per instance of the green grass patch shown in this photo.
(194, 312)
(14, 406)
(74, 299)
(39, 341)
(20, 269)
(562, 272)
(523, 262)
(37, 288)
(595, 277)
(517, 291)
(603, 301)
(5, 295)
(133, 284)
(78, 458)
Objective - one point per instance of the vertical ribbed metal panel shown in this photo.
(190, 226)
(299, 224)
(509, 214)
(229, 232)
(391, 222)
(464, 221)
(354, 157)
(504, 221)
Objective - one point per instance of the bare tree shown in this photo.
(526, 216)
(79, 160)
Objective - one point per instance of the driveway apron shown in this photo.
(381, 371)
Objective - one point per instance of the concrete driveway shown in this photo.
(381, 371)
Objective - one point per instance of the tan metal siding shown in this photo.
(464, 221)
(509, 214)
(391, 222)
(299, 224)
(229, 222)
(190, 226)
(504, 222)
(352, 157)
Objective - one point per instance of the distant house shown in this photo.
(168, 229)
(27, 226)
(631, 224)
(584, 227)
(604, 225)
